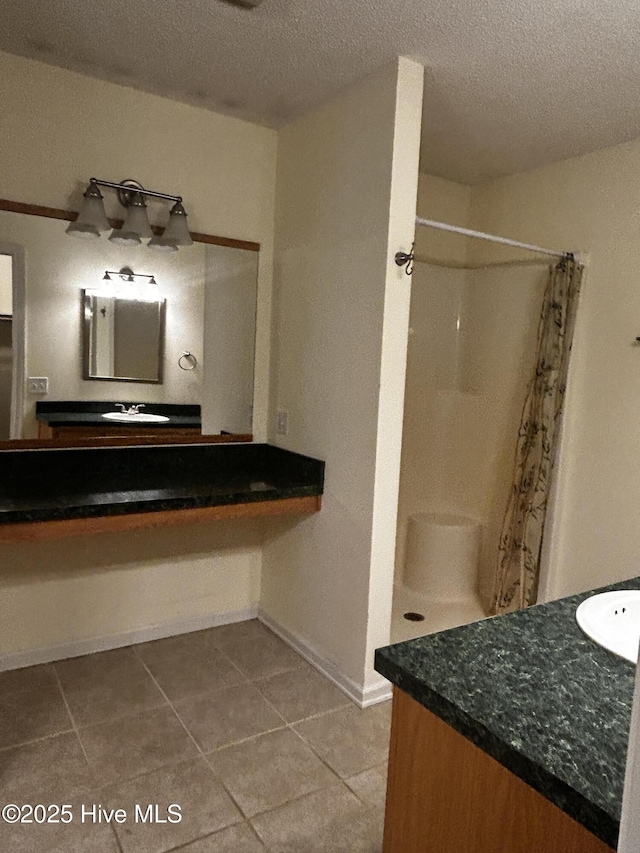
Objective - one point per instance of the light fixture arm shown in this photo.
(129, 186)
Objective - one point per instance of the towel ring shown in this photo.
(187, 355)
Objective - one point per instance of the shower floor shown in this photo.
(438, 615)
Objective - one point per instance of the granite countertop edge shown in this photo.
(566, 798)
(122, 506)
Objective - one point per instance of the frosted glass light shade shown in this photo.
(177, 230)
(92, 219)
(137, 221)
(84, 232)
(161, 244)
(125, 238)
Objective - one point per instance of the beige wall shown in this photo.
(589, 204)
(58, 130)
(444, 201)
(347, 182)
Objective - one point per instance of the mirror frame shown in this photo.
(71, 216)
(87, 319)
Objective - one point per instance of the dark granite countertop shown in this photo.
(56, 484)
(532, 691)
(89, 413)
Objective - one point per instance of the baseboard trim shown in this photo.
(77, 648)
(361, 696)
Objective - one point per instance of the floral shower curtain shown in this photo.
(521, 537)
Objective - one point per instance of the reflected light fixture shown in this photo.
(127, 274)
(92, 220)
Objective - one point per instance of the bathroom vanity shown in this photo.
(53, 493)
(508, 734)
(68, 420)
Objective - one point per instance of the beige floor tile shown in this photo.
(301, 693)
(205, 806)
(51, 770)
(107, 685)
(251, 630)
(189, 664)
(28, 678)
(371, 786)
(332, 820)
(349, 740)
(226, 716)
(32, 713)
(262, 658)
(269, 770)
(134, 745)
(236, 839)
(72, 838)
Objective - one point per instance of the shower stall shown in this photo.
(471, 352)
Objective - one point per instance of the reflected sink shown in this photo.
(140, 418)
(612, 619)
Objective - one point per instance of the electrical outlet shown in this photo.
(282, 422)
(38, 385)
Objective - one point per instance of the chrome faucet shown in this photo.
(132, 410)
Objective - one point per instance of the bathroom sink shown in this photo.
(612, 619)
(138, 418)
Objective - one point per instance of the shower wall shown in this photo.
(471, 351)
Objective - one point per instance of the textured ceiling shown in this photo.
(509, 84)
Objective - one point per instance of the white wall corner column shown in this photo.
(345, 203)
(395, 333)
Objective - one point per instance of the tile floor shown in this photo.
(259, 750)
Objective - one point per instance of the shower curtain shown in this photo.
(518, 565)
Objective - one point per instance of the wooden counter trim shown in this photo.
(38, 531)
(71, 216)
(120, 441)
(445, 795)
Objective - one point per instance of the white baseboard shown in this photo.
(361, 696)
(76, 648)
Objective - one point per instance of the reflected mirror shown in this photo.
(123, 338)
(76, 336)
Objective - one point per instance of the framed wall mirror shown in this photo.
(123, 337)
(75, 340)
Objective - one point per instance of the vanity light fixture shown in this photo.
(127, 274)
(92, 220)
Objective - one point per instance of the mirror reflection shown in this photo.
(123, 337)
(91, 342)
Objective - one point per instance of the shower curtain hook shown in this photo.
(406, 260)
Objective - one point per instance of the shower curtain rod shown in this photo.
(493, 238)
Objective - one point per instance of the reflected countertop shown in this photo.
(82, 414)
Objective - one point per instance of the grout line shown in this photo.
(115, 835)
(195, 743)
(36, 740)
(84, 752)
(71, 717)
(338, 783)
(217, 832)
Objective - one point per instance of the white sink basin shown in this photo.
(612, 619)
(140, 418)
